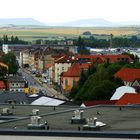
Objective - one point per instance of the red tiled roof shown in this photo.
(115, 58)
(56, 56)
(100, 102)
(2, 85)
(112, 58)
(128, 74)
(128, 99)
(66, 59)
(75, 70)
(48, 66)
(92, 57)
(88, 56)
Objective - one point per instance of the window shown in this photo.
(62, 68)
(66, 82)
(74, 82)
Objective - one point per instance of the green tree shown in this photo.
(100, 85)
(3, 72)
(10, 60)
(16, 40)
(83, 78)
(5, 39)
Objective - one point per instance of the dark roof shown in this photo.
(69, 103)
(19, 97)
(99, 102)
(16, 79)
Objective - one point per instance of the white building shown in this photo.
(62, 65)
(5, 48)
(120, 91)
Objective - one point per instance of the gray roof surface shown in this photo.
(59, 118)
(16, 79)
(19, 97)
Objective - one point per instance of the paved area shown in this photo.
(56, 138)
(59, 118)
(40, 86)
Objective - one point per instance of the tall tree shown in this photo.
(12, 39)
(83, 78)
(10, 60)
(5, 39)
(16, 40)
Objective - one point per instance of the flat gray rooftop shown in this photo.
(59, 118)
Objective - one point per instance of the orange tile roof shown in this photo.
(128, 74)
(114, 58)
(66, 59)
(48, 66)
(2, 85)
(75, 70)
(128, 99)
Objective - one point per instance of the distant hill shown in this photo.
(30, 22)
(88, 23)
(97, 23)
(20, 21)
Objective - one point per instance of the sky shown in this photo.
(58, 11)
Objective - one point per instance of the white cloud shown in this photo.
(68, 10)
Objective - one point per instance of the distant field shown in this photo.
(36, 33)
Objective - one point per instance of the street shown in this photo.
(34, 82)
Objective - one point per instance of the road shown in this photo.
(34, 82)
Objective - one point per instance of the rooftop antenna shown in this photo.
(93, 124)
(78, 117)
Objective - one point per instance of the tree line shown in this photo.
(11, 40)
(93, 42)
(82, 42)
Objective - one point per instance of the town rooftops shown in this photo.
(102, 58)
(2, 85)
(3, 65)
(99, 102)
(117, 58)
(128, 74)
(120, 91)
(66, 59)
(75, 70)
(16, 79)
(47, 101)
(18, 97)
(129, 99)
(92, 58)
(48, 66)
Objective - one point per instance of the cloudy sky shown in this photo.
(57, 11)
